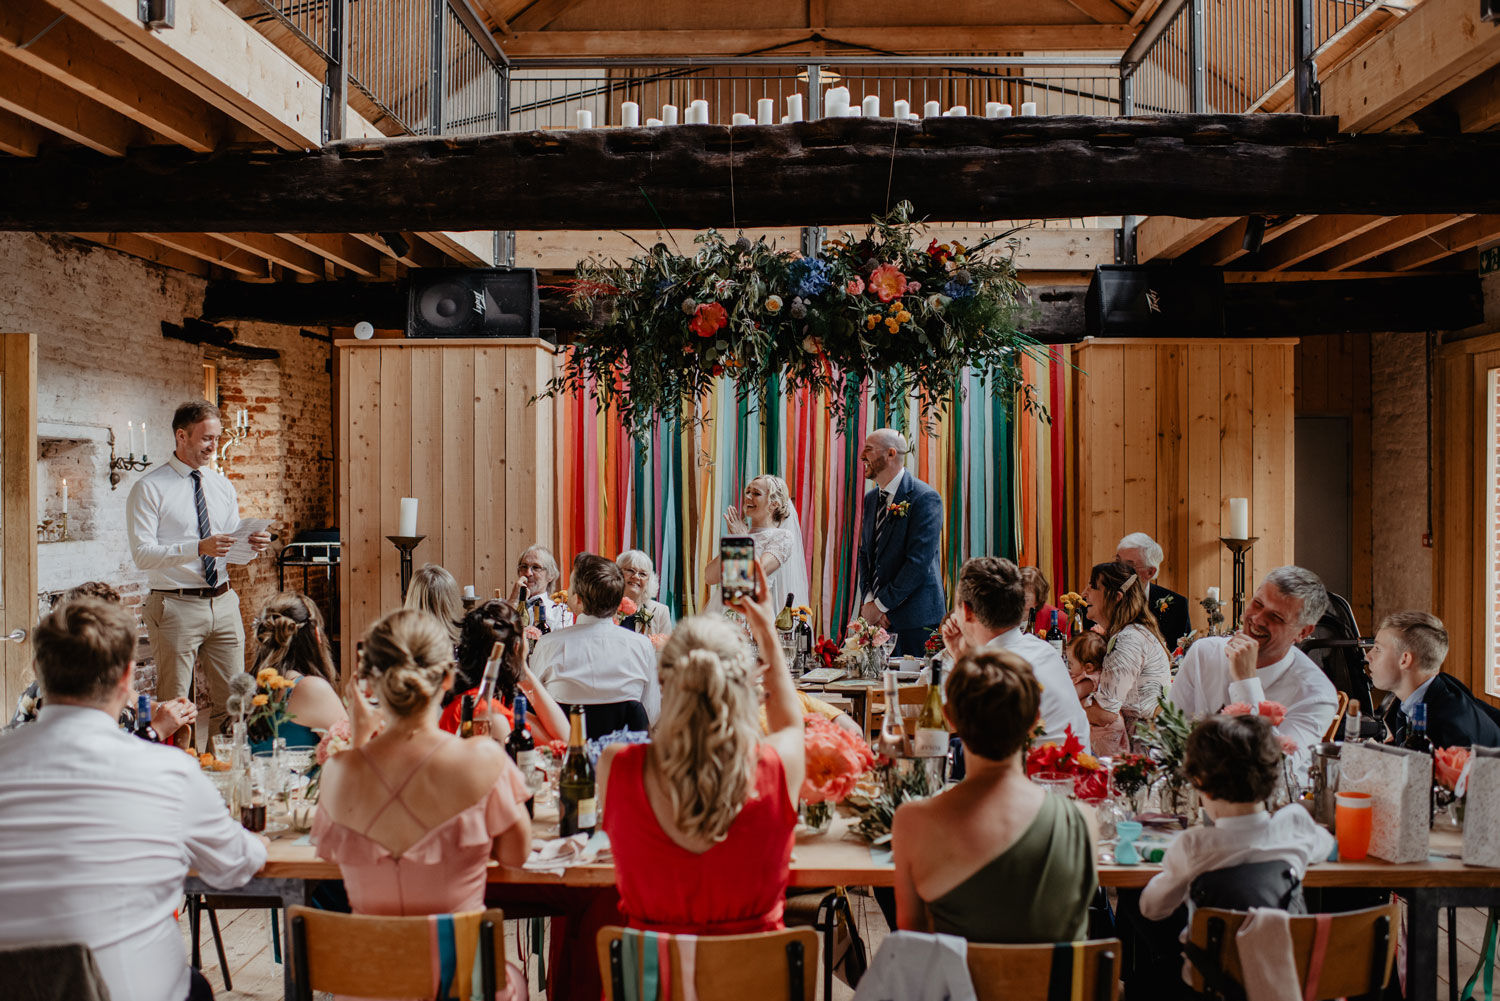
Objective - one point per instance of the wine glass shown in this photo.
(889, 646)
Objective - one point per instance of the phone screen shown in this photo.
(737, 565)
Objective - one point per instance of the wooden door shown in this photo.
(18, 515)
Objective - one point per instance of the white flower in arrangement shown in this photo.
(688, 305)
(773, 304)
(937, 301)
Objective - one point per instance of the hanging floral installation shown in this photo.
(883, 308)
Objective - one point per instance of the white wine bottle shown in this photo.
(892, 741)
(932, 728)
(575, 783)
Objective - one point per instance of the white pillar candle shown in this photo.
(901, 110)
(630, 115)
(871, 107)
(740, 118)
(1239, 518)
(786, 119)
(1028, 109)
(957, 111)
(652, 123)
(854, 111)
(699, 111)
(836, 102)
(1213, 594)
(669, 114)
(408, 525)
(794, 107)
(992, 109)
(1004, 111)
(932, 109)
(765, 111)
(585, 118)
(130, 437)
(65, 496)
(145, 449)
(469, 591)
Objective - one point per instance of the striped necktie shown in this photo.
(882, 512)
(210, 565)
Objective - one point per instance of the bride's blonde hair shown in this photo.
(704, 743)
(778, 495)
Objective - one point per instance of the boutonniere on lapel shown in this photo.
(1162, 604)
(899, 510)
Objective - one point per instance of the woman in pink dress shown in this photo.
(413, 815)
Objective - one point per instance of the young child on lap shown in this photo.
(1085, 656)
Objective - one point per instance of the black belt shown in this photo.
(193, 592)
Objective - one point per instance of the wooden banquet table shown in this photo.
(837, 858)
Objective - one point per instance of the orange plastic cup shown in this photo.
(1353, 818)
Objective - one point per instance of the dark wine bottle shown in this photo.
(466, 717)
(1054, 635)
(143, 728)
(522, 750)
(575, 786)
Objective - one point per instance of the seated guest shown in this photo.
(414, 815)
(708, 801)
(289, 638)
(167, 717)
(810, 706)
(1234, 762)
(991, 603)
(1085, 654)
(1039, 607)
(641, 585)
(1144, 556)
(1136, 668)
(487, 624)
(537, 569)
(996, 836)
(434, 591)
(596, 663)
(99, 829)
(1407, 659)
(1261, 663)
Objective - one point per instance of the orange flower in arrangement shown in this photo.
(835, 759)
(887, 282)
(261, 700)
(709, 319)
(627, 607)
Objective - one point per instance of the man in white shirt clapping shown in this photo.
(1261, 663)
(595, 662)
(98, 828)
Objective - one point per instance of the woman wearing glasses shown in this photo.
(641, 585)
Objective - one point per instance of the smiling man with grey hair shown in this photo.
(1261, 662)
(1145, 556)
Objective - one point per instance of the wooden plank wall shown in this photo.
(1461, 516)
(18, 513)
(449, 423)
(1333, 380)
(1167, 432)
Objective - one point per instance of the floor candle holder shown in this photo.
(1238, 548)
(406, 543)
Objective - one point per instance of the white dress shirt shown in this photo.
(596, 662)
(557, 613)
(1060, 705)
(1205, 685)
(163, 523)
(1289, 835)
(98, 828)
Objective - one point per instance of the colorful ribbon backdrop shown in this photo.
(1001, 476)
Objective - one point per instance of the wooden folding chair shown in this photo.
(381, 957)
(1089, 971)
(913, 698)
(767, 966)
(1358, 951)
(1332, 733)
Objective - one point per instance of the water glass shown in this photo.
(889, 646)
(1056, 783)
(223, 746)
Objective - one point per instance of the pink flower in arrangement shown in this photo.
(913, 287)
(836, 759)
(1448, 764)
(1288, 745)
(855, 285)
(1236, 709)
(532, 634)
(887, 282)
(338, 738)
(627, 607)
(1273, 711)
(881, 636)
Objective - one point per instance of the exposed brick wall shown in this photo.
(102, 360)
(1402, 568)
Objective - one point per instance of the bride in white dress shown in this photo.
(767, 516)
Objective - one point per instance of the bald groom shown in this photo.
(900, 577)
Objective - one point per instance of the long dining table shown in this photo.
(837, 857)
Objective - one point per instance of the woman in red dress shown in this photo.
(700, 820)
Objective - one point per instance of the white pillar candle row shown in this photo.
(836, 105)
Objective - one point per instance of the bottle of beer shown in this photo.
(143, 728)
(1054, 635)
(932, 728)
(892, 741)
(522, 750)
(575, 785)
(466, 718)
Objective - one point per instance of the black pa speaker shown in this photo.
(1127, 300)
(472, 302)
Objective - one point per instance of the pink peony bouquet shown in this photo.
(338, 739)
(836, 759)
(859, 641)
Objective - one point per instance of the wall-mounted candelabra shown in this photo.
(119, 466)
(233, 435)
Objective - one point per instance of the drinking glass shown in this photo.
(889, 646)
(1056, 783)
(223, 746)
(1353, 820)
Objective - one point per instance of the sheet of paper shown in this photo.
(241, 552)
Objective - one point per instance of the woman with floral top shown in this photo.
(1136, 669)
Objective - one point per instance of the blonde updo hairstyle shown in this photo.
(704, 743)
(779, 496)
(289, 637)
(406, 657)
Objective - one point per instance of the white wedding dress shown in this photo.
(784, 541)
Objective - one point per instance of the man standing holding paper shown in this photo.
(182, 518)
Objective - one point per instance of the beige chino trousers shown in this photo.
(184, 631)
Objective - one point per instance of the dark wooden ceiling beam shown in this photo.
(830, 172)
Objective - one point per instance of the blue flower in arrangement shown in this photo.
(956, 289)
(808, 276)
